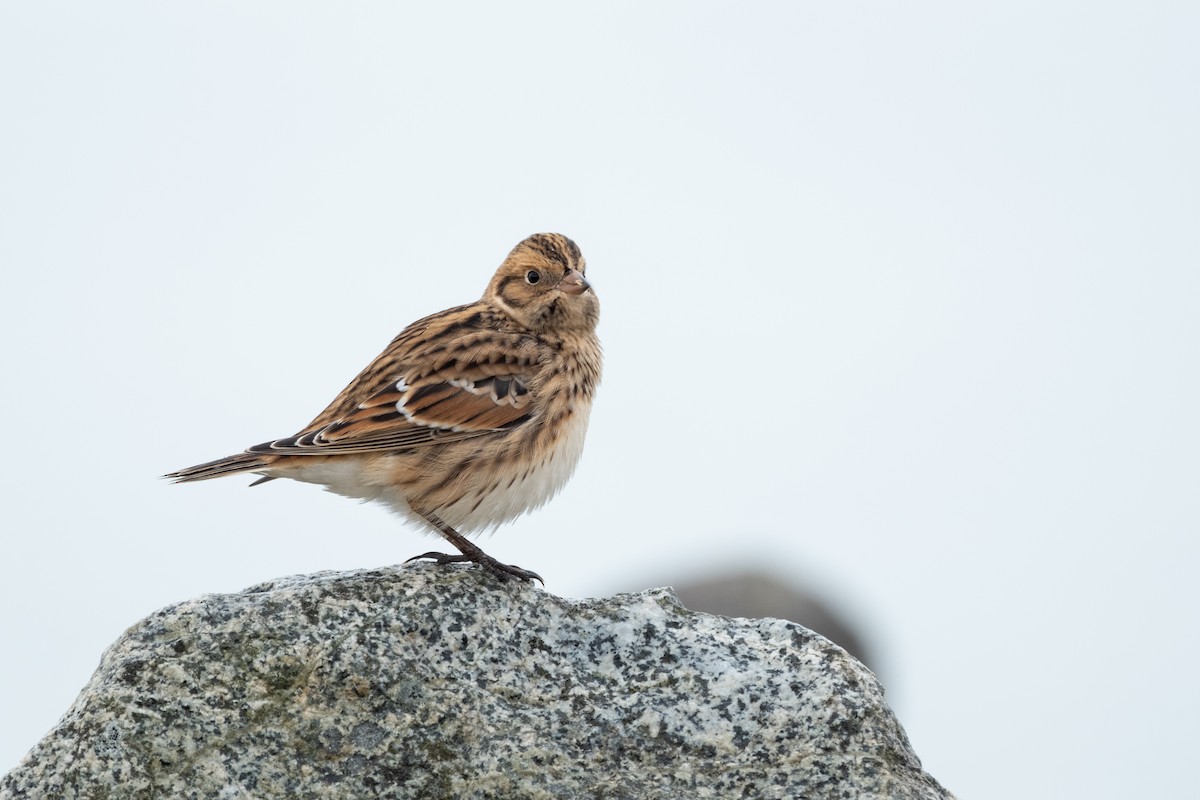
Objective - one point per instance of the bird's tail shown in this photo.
(230, 465)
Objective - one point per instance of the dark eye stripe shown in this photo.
(503, 290)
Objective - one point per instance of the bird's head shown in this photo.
(541, 285)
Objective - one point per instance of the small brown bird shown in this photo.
(470, 417)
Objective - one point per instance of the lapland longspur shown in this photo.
(470, 417)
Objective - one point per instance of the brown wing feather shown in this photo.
(466, 342)
(445, 378)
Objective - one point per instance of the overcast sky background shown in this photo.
(901, 301)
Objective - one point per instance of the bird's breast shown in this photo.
(531, 471)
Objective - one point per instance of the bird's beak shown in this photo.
(574, 283)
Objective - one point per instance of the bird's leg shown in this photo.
(470, 552)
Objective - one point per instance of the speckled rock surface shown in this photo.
(441, 682)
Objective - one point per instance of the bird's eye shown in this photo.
(533, 276)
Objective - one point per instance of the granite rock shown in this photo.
(443, 682)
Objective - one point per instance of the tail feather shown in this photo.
(230, 465)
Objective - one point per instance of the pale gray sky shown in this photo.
(898, 299)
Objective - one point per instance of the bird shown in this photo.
(469, 418)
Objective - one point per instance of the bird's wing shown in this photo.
(459, 401)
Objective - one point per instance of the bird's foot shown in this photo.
(502, 571)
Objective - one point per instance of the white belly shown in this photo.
(481, 510)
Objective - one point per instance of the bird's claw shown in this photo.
(502, 571)
(439, 558)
